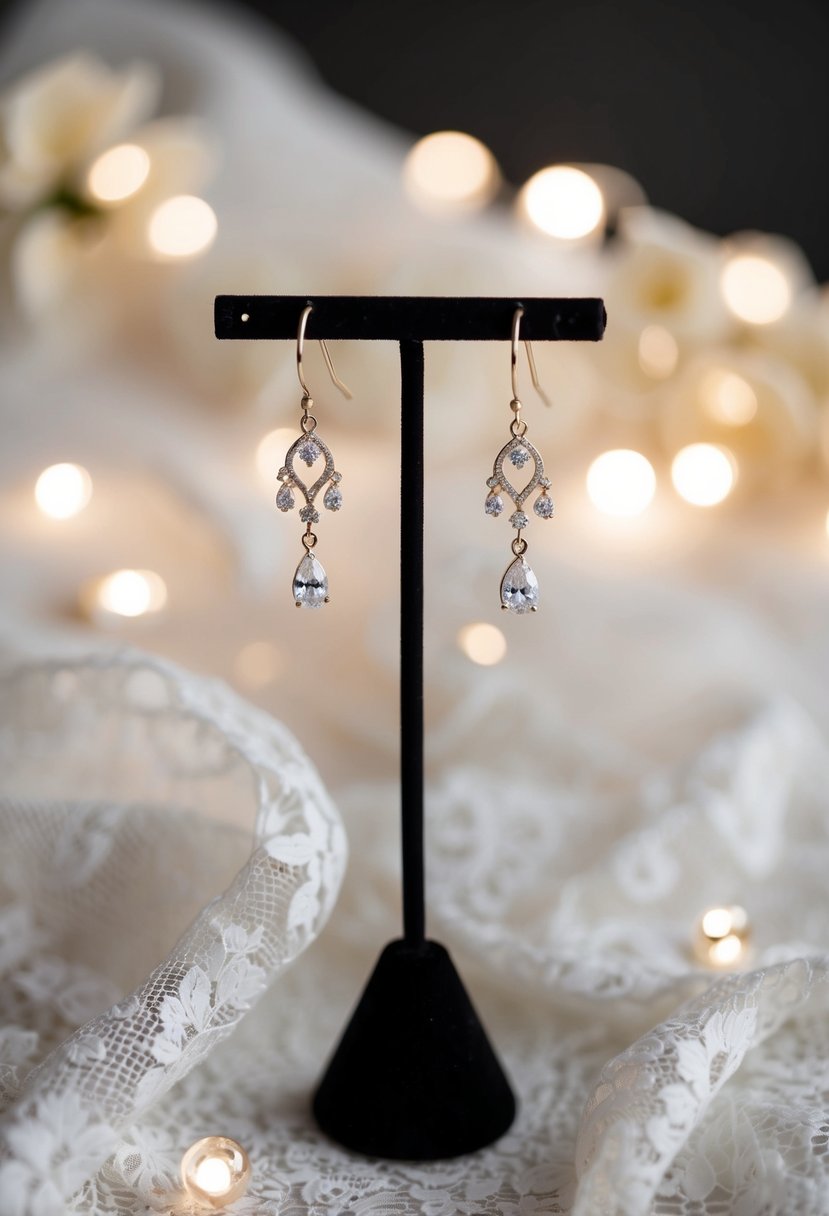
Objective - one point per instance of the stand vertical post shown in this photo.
(414, 1075)
(411, 642)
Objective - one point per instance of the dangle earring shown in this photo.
(519, 586)
(310, 582)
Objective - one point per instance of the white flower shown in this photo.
(77, 232)
(667, 274)
(60, 116)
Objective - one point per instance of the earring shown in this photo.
(519, 586)
(310, 582)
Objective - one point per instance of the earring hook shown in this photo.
(516, 330)
(300, 346)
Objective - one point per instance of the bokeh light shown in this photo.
(722, 936)
(118, 174)
(131, 593)
(563, 202)
(621, 483)
(63, 490)
(482, 643)
(213, 1176)
(182, 227)
(658, 352)
(704, 474)
(451, 171)
(727, 397)
(755, 289)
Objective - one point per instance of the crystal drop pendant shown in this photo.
(310, 585)
(285, 499)
(519, 588)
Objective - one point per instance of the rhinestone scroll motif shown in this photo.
(310, 582)
(519, 586)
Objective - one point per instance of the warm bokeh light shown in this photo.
(563, 202)
(621, 483)
(257, 664)
(482, 643)
(727, 397)
(722, 936)
(270, 454)
(118, 173)
(215, 1171)
(63, 490)
(213, 1175)
(658, 352)
(131, 593)
(704, 474)
(182, 227)
(451, 171)
(755, 289)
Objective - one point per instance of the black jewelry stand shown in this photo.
(413, 1076)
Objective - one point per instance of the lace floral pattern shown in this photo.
(63, 1118)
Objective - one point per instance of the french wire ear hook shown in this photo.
(516, 330)
(300, 346)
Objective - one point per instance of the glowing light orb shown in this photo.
(482, 643)
(215, 1171)
(563, 202)
(722, 936)
(704, 474)
(131, 593)
(63, 490)
(118, 174)
(621, 483)
(727, 397)
(450, 170)
(182, 227)
(658, 352)
(755, 289)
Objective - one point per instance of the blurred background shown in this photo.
(647, 747)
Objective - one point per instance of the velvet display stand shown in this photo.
(414, 1076)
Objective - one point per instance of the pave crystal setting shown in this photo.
(519, 586)
(310, 582)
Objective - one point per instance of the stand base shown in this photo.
(414, 1076)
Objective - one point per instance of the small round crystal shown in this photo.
(308, 452)
(494, 504)
(519, 457)
(518, 519)
(544, 507)
(309, 515)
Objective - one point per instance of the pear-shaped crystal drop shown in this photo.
(285, 499)
(519, 587)
(310, 585)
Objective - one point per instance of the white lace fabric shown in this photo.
(114, 1049)
(98, 885)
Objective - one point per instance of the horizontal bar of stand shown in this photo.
(410, 318)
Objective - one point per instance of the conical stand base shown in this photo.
(414, 1076)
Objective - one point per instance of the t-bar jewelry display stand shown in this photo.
(413, 1076)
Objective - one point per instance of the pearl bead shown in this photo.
(721, 937)
(215, 1171)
